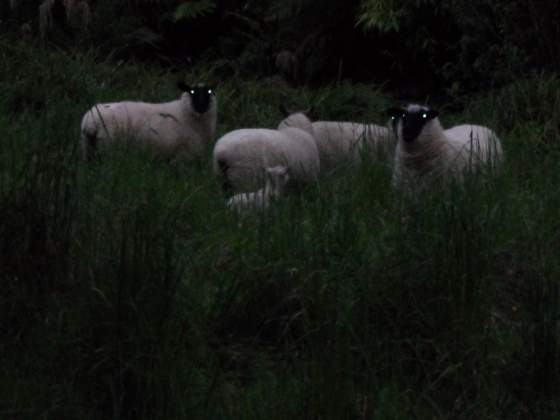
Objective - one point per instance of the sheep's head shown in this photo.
(201, 96)
(296, 119)
(407, 124)
(277, 178)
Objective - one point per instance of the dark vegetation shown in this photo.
(129, 292)
(417, 48)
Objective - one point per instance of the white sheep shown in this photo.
(241, 156)
(347, 142)
(183, 127)
(277, 179)
(424, 148)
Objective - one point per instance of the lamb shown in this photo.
(183, 127)
(241, 156)
(340, 142)
(425, 149)
(277, 179)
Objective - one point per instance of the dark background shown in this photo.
(417, 49)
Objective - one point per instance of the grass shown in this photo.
(130, 292)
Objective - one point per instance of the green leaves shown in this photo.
(383, 15)
(194, 9)
(388, 15)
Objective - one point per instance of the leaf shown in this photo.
(144, 36)
(194, 9)
(383, 15)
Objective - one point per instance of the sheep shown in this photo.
(183, 127)
(277, 179)
(346, 142)
(241, 156)
(424, 148)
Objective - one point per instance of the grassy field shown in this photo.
(130, 292)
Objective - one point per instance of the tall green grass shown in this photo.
(130, 292)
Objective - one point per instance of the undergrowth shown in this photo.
(130, 292)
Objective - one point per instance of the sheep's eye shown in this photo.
(210, 92)
(424, 115)
(192, 92)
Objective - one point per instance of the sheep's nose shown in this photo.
(410, 131)
(200, 103)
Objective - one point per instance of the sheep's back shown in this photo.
(245, 153)
(118, 118)
(475, 143)
(302, 154)
(340, 142)
(166, 128)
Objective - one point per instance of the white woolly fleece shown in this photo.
(345, 142)
(168, 128)
(438, 152)
(241, 156)
(277, 179)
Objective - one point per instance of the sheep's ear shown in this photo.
(394, 112)
(287, 112)
(432, 113)
(183, 86)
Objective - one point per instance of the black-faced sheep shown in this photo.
(180, 128)
(425, 148)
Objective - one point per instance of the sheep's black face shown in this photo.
(201, 96)
(411, 121)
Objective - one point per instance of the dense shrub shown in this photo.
(421, 47)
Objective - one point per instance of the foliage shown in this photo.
(383, 15)
(194, 9)
(485, 41)
(454, 47)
